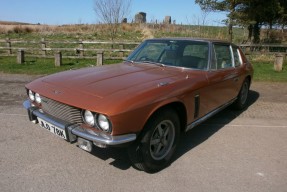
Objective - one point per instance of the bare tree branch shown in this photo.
(112, 12)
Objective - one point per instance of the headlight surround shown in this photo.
(97, 120)
(38, 98)
(31, 95)
(103, 122)
(89, 118)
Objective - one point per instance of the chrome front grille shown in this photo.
(61, 111)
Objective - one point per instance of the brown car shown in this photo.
(165, 87)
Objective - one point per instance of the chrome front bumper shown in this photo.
(73, 130)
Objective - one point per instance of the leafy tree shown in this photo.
(256, 13)
(251, 13)
(229, 6)
(283, 13)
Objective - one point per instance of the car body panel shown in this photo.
(130, 93)
(140, 99)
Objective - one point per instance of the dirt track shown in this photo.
(233, 151)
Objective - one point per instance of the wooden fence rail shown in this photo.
(67, 49)
(82, 46)
(264, 48)
(97, 49)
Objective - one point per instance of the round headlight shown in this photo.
(89, 118)
(31, 95)
(103, 122)
(38, 98)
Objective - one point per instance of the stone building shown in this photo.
(140, 17)
(167, 20)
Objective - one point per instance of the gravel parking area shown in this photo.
(233, 151)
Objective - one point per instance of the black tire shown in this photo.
(155, 146)
(241, 101)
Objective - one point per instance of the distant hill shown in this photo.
(13, 23)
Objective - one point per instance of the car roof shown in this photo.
(192, 39)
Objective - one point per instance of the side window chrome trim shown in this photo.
(235, 50)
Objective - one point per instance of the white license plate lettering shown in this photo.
(53, 129)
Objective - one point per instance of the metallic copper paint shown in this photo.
(129, 93)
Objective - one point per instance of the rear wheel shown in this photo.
(241, 101)
(154, 148)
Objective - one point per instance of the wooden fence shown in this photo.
(99, 50)
(264, 48)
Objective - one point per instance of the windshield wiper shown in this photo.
(160, 64)
(152, 62)
(131, 61)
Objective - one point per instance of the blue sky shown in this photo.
(58, 12)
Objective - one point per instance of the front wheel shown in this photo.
(241, 101)
(156, 145)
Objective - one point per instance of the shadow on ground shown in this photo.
(202, 132)
(188, 140)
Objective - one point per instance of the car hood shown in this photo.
(108, 80)
(98, 88)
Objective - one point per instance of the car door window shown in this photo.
(195, 55)
(223, 57)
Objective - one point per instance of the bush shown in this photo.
(20, 29)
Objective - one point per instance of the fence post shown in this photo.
(43, 46)
(278, 63)
(100, 58)
(121, 50)
(8, 45)
(248, 49)
(58, 59)
(81, 48)
(20, 56)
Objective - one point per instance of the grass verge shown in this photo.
(39, 66)
(264, 71)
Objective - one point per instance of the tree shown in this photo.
(256, 13)
(283, 14)
(250, 13)
(229, 6)
(112, 12)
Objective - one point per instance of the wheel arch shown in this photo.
(140, 151)
(179, 108)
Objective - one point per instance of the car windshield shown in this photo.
(178, 53)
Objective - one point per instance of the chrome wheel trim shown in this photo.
(162, 140)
